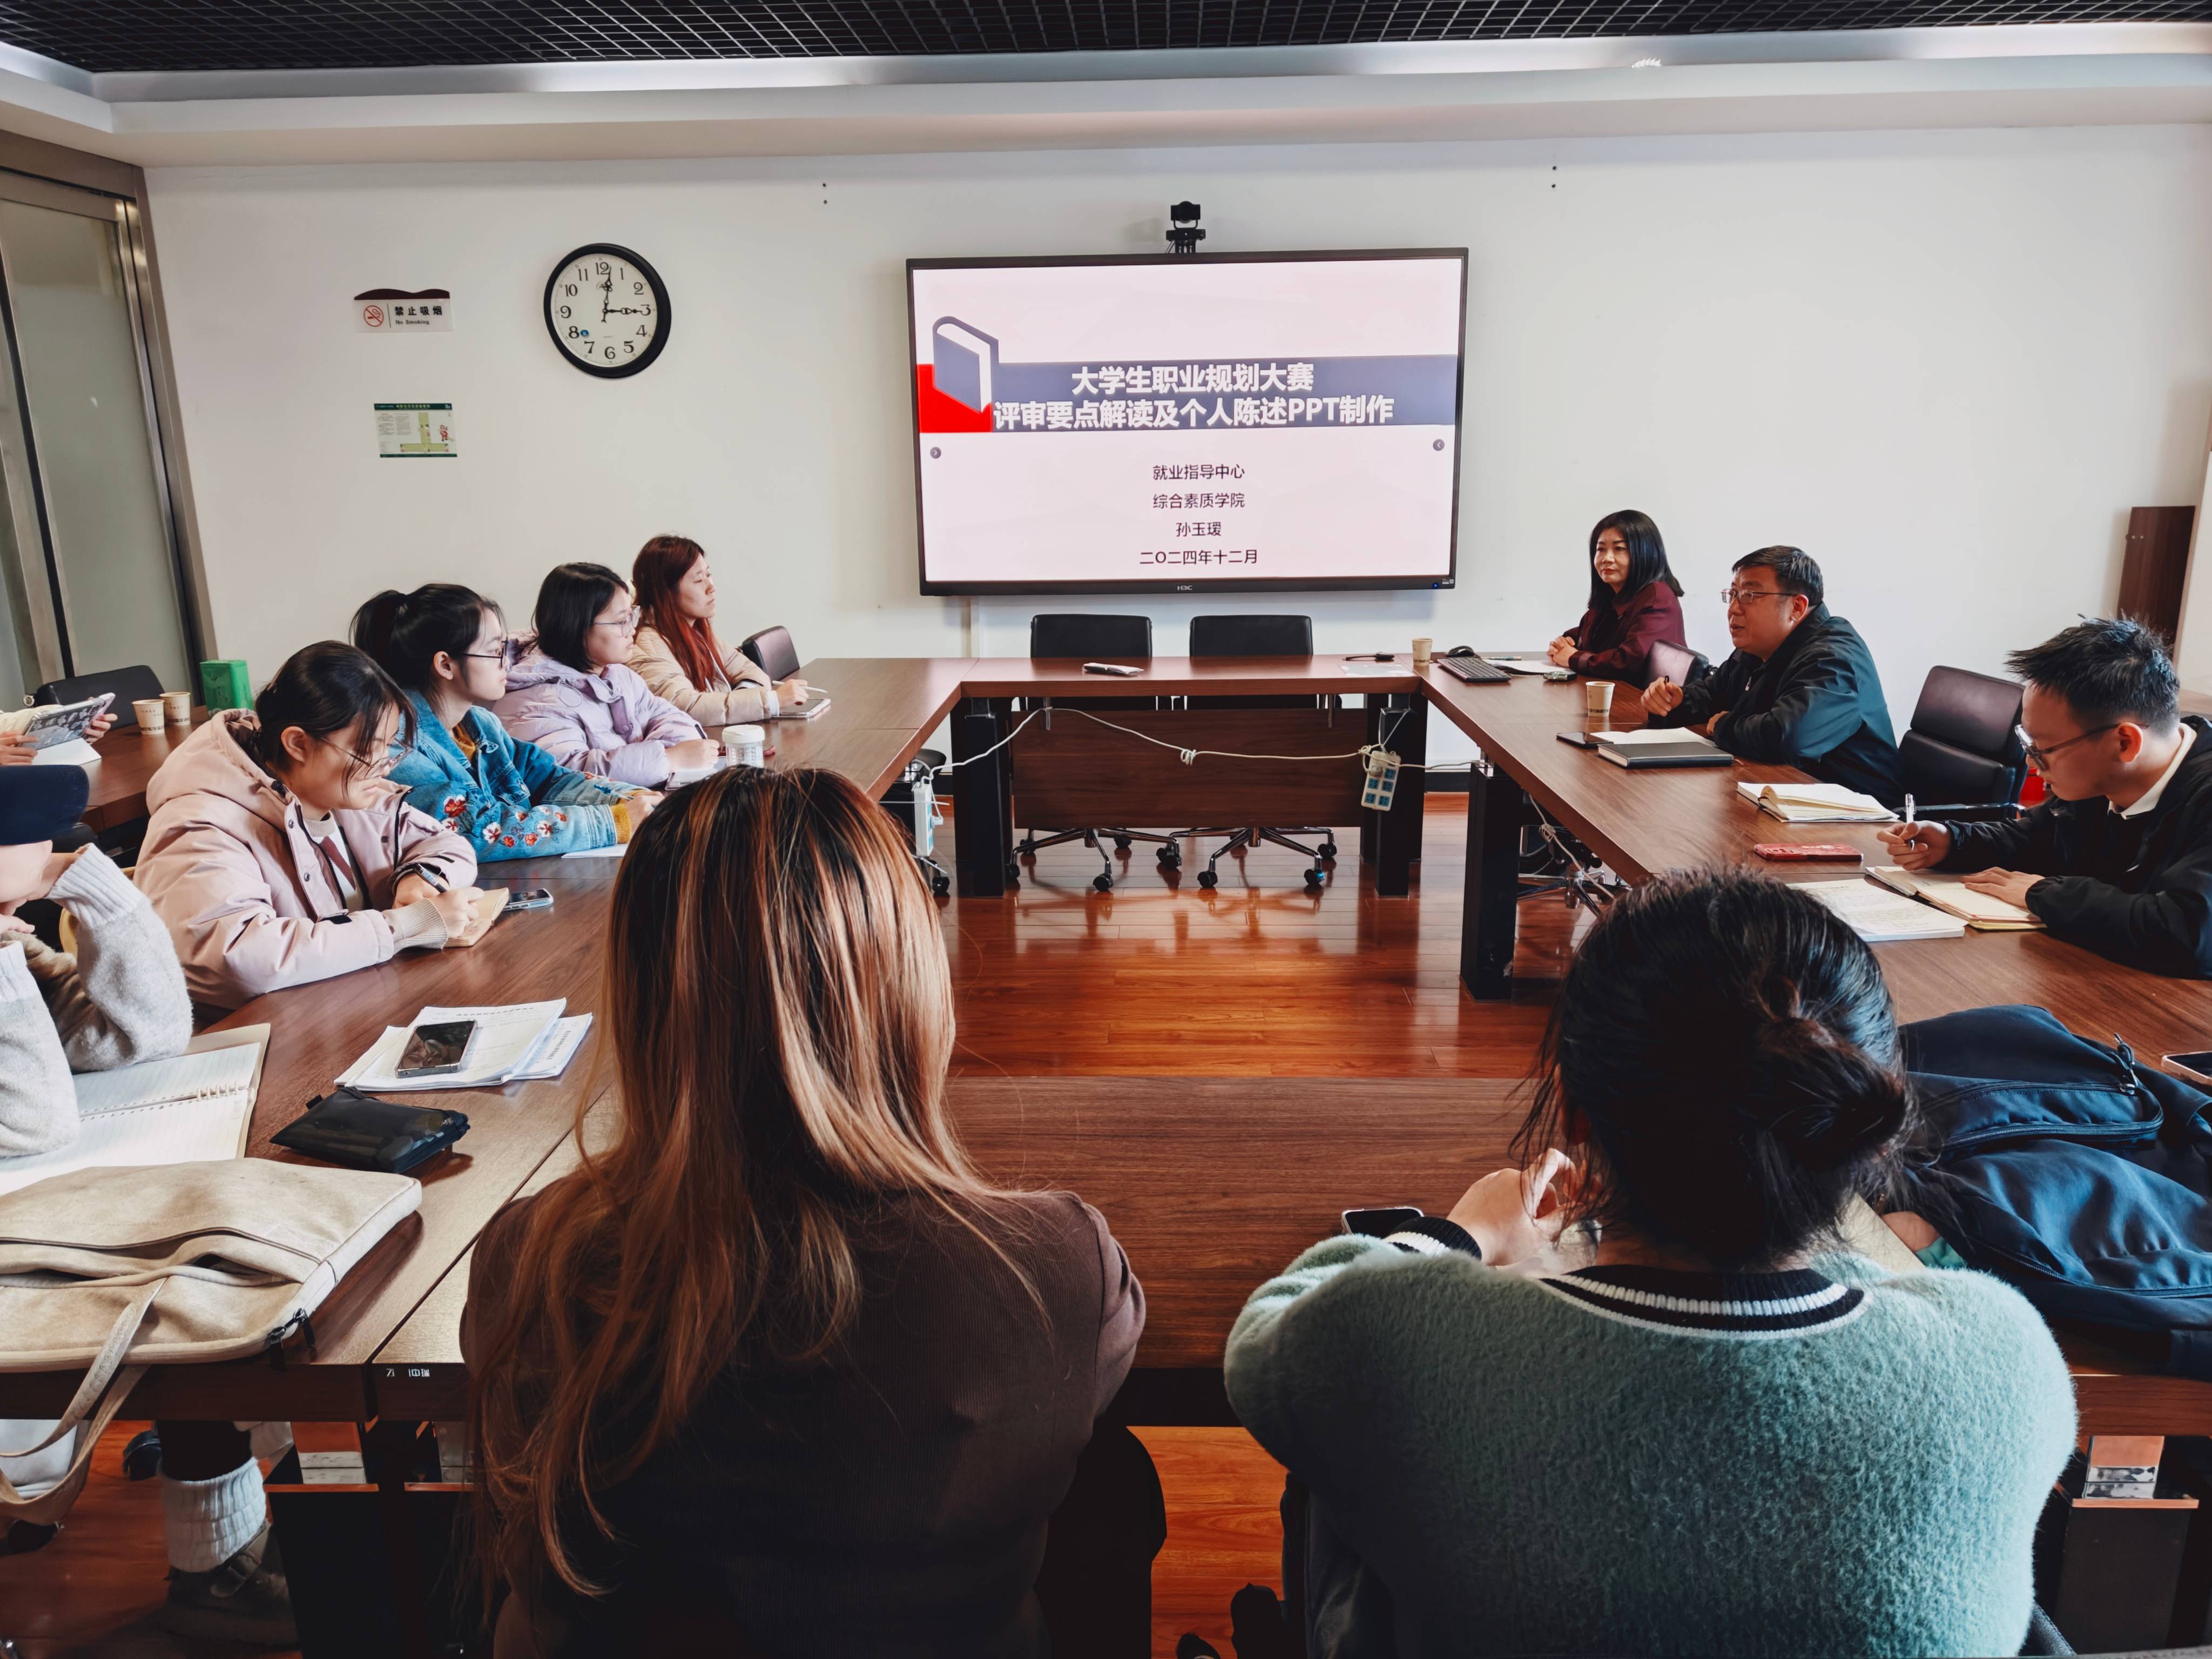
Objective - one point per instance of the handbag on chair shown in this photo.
(117, 1269)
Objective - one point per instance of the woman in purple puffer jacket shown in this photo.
(575, 695)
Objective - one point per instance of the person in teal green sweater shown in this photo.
(1726, 1433)
(447, 645)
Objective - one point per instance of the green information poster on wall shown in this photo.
(408, 431)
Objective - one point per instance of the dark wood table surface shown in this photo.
(128, 758)
(1211, 1184)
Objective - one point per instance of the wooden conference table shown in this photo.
(1265, 1164)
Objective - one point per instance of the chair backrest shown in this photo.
(1080, 633)
(773, 652)
(1961, 749)
(1677, 663)
(129, 685)
(1251, 636)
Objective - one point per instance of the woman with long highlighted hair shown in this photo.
(779, 1362)
(676, 651)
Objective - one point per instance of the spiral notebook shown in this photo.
(192, 1109)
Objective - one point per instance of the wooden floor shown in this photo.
(1257, 977)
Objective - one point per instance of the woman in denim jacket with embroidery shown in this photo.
(447, 646)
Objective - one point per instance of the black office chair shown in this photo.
(1677, 663)
(129, 685)
(1256, 636)
(1095, 638)
(1962, 753)
(772, 651)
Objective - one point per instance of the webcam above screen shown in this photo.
(1159, 423)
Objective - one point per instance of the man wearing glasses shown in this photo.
(2119, 858)
(1800, 689)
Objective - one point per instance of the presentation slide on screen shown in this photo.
(1283, 420)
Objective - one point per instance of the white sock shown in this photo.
(205, 1522)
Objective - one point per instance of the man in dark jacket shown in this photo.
(1800, 689)
(2119, 858)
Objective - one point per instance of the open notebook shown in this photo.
(190, 1109)
(1880, 913)
(1815, 803)
(1982, 911)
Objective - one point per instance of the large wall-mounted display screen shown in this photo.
(1263, 421)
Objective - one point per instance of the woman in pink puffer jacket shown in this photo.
(575, 695)
(276, 853)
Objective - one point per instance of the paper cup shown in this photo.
(1422, 650)
(149, 712)
(748, 744)
(178, 706)
(1597, 697)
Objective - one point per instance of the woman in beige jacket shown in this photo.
(676, 655)
(276, 853)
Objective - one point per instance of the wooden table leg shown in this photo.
(1405, 732)
(392, 1448)
(1489, 910)
(979, 802)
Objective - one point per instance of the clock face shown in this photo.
(607, 310)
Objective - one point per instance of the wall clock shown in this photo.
(607, 310)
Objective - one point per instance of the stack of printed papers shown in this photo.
(1815, 803)
(1877, 916)
(1983, 911)
(520, 1041)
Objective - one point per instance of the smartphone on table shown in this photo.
(438, 1050)
(1390, 1219)
(2196, 1066)
(537, 898)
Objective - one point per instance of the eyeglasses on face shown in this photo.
(1733, 596)
(2040, 755)
(509, 650)
(628, 620)
(375, 768)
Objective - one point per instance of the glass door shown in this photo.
(89, 573)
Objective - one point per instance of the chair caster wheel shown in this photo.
(1329, 849)
(1170, 860)
(142, 1458)
(940, 885)
(1104, 883)
(1120, 843)
(1208, 878)
(1313, 879)
(1013, 869)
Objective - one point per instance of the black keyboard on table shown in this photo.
(1475, 670)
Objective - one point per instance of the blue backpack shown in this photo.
(2077, 1174)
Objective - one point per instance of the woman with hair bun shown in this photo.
(1635, 603)
(1727, 1433)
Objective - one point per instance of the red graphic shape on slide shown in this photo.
(937, 412)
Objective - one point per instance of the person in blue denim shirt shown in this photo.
(447, 645)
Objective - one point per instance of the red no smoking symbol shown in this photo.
(373, 315)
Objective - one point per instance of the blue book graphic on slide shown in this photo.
(966, 360)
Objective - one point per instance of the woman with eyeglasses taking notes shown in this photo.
(447, 646)
(574, 694)
(279, 852)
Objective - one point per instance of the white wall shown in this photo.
(1945, 363)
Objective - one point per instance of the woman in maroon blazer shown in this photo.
(1634, 603)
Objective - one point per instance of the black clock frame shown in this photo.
(644, 360)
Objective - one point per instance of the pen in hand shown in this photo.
(1910, 840)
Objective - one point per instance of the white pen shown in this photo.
(1909, 841)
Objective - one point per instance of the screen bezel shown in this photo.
(1201, 584)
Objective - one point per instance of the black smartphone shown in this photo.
(1580, 740)
(2196, 1067)
(1380, 1224)
(437, 1050)
(537, 898)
